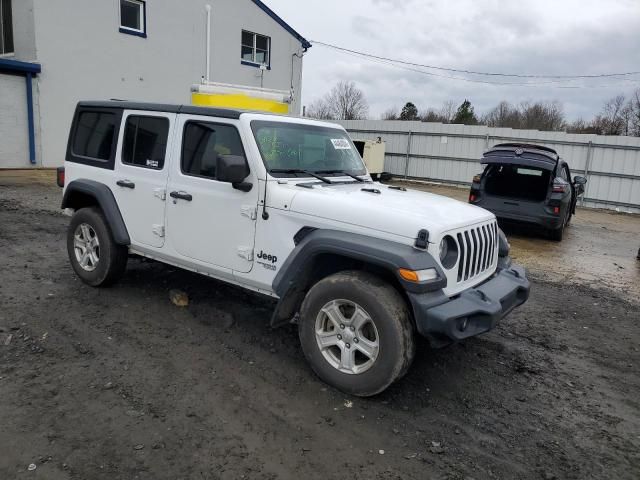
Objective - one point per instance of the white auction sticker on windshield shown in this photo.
(340, 144)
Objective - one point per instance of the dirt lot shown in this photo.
(120, 384)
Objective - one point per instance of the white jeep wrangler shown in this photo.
(284, 207)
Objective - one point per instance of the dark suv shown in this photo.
(529, 184)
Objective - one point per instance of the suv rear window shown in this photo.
(145, 141)
(94, 135)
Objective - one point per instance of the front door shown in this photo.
(141, 172)
(208, 220)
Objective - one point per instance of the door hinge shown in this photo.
(250, 211)
(161, 193)
(246, 253)
(158, 230)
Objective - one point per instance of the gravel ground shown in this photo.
(119, 383)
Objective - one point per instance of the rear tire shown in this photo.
(93, 254)
(365, 329)
(557, 234)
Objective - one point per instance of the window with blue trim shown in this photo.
(133, 17)
(256, 48)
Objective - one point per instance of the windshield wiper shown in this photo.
(298, 170)
(343, 172)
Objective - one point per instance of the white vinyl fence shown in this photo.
(451, 153)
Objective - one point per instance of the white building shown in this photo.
(55, 53)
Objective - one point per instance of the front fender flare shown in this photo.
(291, 281)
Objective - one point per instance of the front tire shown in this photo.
(93, 254)
(356, 332)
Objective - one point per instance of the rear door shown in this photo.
(208, 220)
(141, 173)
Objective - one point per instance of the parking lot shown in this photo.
(119, 383)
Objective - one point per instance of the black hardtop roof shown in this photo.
(162, 107)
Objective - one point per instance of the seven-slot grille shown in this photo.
(478, 247)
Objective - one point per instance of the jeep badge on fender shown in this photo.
(349, 273)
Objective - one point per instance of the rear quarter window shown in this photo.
(94, 135)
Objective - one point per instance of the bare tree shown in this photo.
(390, 114)
(320, 109)
(444, 115)
(542, 116)
(634, 107)
(613, 118)
(448, 111)
(345, 101)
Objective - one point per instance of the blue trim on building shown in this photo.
(132, 32)
(305, 43)
(16, 66)
(29, 70)
(251, 64)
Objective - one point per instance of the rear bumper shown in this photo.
(531, 213)
(475, 311)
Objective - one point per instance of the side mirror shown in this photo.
(578, 180)
(233, 169)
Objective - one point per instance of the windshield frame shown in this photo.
(256, 123)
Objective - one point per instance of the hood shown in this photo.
(393, 211)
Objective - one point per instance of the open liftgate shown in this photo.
(224, 95)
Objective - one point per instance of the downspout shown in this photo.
(293, 56)
(208, 46)
(32, 130)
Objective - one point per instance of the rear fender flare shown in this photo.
(75, 197)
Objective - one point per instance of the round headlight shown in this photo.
(448, 252)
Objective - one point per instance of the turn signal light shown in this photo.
(472, 197)
(556, 210)
(417, 276)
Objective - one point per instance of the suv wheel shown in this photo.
(94, 256)
(356, 332)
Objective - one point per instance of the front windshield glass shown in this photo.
(286, 147)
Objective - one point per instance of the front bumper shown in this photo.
(474, 311)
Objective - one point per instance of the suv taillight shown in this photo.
(560, 187)
(60, 176)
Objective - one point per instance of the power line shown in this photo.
(550, 83)
(471, 72)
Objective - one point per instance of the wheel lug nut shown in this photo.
(339, 337)
(342, 326)
(348, 345)
(353, 329)
(355, 340)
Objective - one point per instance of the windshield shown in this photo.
(293, 146)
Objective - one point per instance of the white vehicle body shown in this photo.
(220, 234)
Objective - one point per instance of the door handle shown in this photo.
(126, 184)
(181, 195)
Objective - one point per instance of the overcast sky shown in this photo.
(561, 37)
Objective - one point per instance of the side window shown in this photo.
(563, 173)
(202, 142)
(94, 133)
(145, 141)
